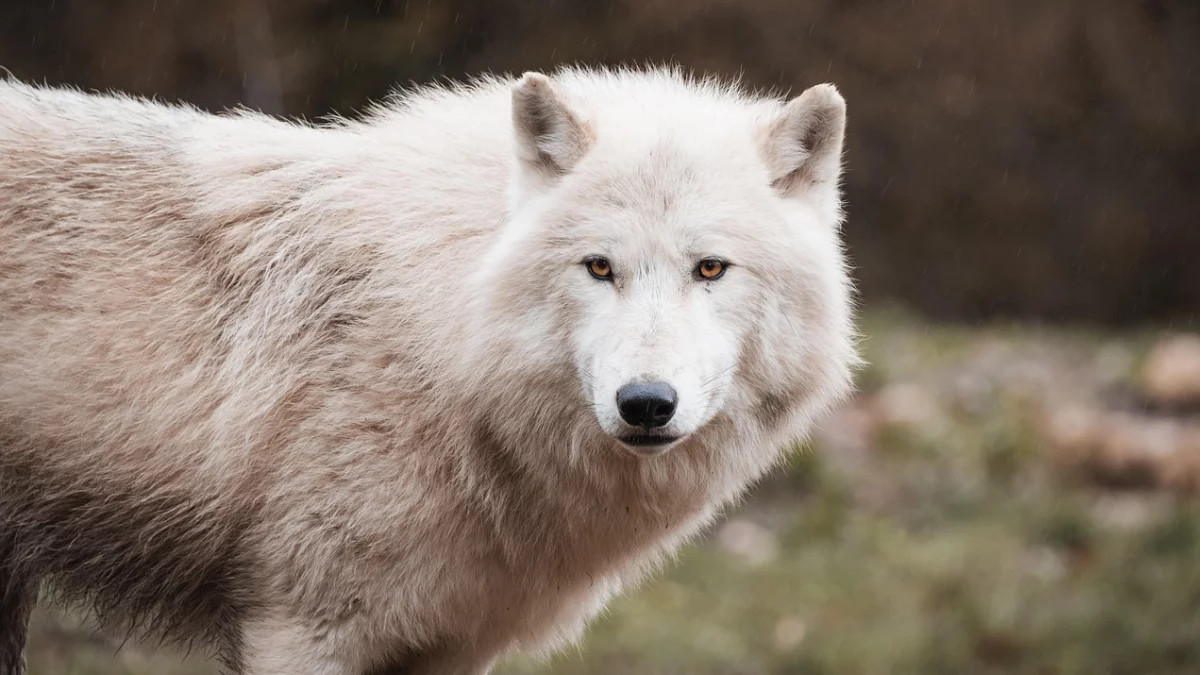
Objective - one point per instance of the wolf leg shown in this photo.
(18, 595)
(272, 645)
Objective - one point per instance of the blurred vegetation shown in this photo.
(1006, 157)
(928, 528)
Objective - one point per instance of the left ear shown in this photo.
(802, 146)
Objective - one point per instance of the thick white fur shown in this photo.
(373, 346)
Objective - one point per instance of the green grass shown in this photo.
(941, 543)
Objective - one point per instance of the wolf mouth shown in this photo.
(648, 440)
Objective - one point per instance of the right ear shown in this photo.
(804, 142)
(551, 139)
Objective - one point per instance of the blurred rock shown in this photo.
(1128, 512)
(1045, 563)
(1074, 432)
(1119, 449)
(847, 432)
(752, 543)
(790, 631)
(907, 405)
(1171, 375)
(970, 392)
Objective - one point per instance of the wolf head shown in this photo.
(677, 242)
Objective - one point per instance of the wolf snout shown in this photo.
(647, 404)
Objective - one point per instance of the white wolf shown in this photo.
(402, 395)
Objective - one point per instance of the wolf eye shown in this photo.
(710, 269)
(599, 268)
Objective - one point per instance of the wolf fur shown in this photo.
(339, 399)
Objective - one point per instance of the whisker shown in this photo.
(713, 378)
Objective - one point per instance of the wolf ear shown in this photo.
(551, 139)
(803, 145)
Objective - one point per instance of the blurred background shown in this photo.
(1012, 489)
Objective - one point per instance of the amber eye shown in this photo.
(710, 269)
(599, 268)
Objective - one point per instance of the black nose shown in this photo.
(647, 404)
